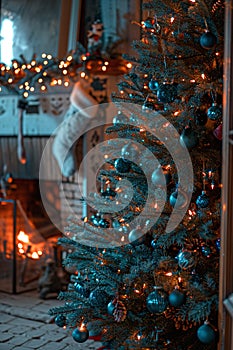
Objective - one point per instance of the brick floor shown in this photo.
(26, 325)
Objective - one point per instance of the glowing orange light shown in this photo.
(20, 245)
(169, 274)
(35, 255)
(21, 251)
(39, 252)
(176, 113)
(129, 65)
(23, 237)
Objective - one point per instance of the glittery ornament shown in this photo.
(214, 112)
(157, 301)
(176, 298)
(186, 260)
(208, 40)
(60, 320)
(120, 118)
(99, 298)
(82, 289)
(130, 151)
(167, 93)
(206, 333)
(188, 138)
(202, 200)
(122, 165)
(80, 334)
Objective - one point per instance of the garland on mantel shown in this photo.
(24, 78)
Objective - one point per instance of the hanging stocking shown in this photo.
(72, 128)
(20, 141)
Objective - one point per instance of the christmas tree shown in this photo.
(142, 280)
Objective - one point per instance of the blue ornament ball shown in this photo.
(206, 334)
(60, 320)
(202, 200)
(214, 112)
(180, 201)
(111, 308)
(153, 85)
(108, 193)
(80, 335)
(136, 237)
(188, 138)
(186, 260)
(122, 165)
(167, 93)
(208, 40)
(98, 298)
(81, 289)
(176, 298)
(157, 301)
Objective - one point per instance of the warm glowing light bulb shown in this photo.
(25, 94)
(104, 68)
(23, 237)
(129, 65)
(82, 74)
(69, 58)
(35, 255)
(49, 57)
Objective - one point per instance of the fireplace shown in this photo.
(27, 238)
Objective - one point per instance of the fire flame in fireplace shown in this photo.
(23, 239)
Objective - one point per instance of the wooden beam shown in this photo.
(66, 6)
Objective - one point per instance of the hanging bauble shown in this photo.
(109, 193)
(154, 243)
(178, 201)
(60, 320)
(122, 165)
(153, 85)
(188, 138)
(218, 132)
(186, 260)
(81, 289)
(157, 301)
(161, 177)
(202, 200)
(111, 307)
(176, 298)
(167, 93)
(206, 333)
(208, 40)
(206, 250)
(99, 298)
(148, 106)
(103, 223)
(136, 236)
(120, 118)
(80, 334)
(218, 243)
(130, 151)
(214, 112)
(200, 117)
